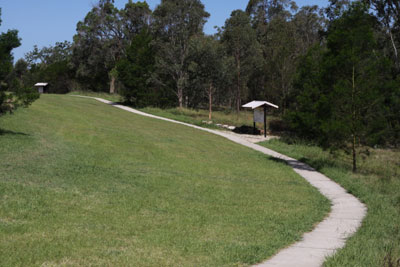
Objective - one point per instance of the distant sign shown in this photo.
(259, 115)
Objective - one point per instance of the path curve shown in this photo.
(346, 215)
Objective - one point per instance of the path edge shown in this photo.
(330, 235)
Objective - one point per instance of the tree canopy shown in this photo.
(19, 96)
(328, 68)
(343, 90)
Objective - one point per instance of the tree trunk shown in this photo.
(112, 85)
(210, 102)
(180, 97)
(238, 93)
(354, 118)
(394, 49)
(354, 154)
(238, 85)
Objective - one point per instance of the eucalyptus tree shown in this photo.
(135, 71)
(15, 97)
(358, 75)
(102, 38)
(336, 8)
(8, 41)
(309, 23)
(290, 37)
(136, 18)
(343, 88)
(51, 64)
(241, 43)
(262, 12)
(285, 33)
(388, 13)
(175, 23)
(208, 70)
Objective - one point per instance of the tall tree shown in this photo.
(345, 91)
(135, 70)
(336, 8)
(388, 13)
(51, 64)
(241, 43)
(175, 23)
(208, 70)
(102, 39)
(20, 96)
(263, 11)
(8, 41)
(285, 33)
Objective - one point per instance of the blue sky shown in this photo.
(45, 22)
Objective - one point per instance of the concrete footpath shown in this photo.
(346, 216)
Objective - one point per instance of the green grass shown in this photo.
(200, 117)
(83, 183)
(111, 97)
(197, 117)
(377, 184)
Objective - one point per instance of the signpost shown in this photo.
(41, 87)
(260, 112)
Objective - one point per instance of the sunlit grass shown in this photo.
(377, 184)
(111, 97)
(200, 117)
(83, 183)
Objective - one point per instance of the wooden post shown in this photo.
(265, 121)
(254, 128)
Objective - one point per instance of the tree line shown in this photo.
(334, 71)
(164, 58)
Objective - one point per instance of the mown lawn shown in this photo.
(83, 183)
(377, 184)
(200, 117)
(197, 117)
(111, 97)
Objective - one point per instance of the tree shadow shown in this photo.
(244, 129)
(295, 164)
(319, 164)
(8, 132)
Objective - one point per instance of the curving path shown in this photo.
(346, 215)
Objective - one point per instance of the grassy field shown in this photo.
(377, 243)
(83, 183)
(196, 117)
(111, 97)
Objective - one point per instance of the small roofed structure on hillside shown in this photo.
(260, 112)
(41, 87)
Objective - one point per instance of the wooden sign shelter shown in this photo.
(41, 87)
(260, 112)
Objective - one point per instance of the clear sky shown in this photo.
(45, 22)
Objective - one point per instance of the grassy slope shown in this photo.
(111, 97)
(198, 116)
(377, 185)
(191, 116)
(85, 183)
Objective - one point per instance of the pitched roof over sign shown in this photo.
(257, 104)
(41, 84)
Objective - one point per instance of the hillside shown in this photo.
(84, 183)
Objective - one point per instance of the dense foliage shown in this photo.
(12, 95)
(343, 91)
(135, 71)
(334, 71)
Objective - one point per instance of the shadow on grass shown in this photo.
(8, 132)
(244, 129)
(319, 164)
(295, 164)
